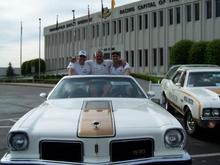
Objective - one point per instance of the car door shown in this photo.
(173, 89)
(178, 91)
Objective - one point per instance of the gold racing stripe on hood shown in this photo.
(96, 119)
(216, 90)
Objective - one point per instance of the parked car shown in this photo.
(97, 120)
(194, 92)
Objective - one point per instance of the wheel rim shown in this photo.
(191, 124)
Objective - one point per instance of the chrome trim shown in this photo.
(157, 159)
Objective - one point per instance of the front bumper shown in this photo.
(184, 159)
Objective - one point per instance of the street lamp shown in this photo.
(73, 38)
(39, 46)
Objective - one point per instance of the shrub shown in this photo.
(180, 52)
(197, 52)
(213, 52)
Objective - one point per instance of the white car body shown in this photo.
(192, 98)
(84, 122)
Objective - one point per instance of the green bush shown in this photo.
(180, 52)
(213, 52)
(197, 53)
(153, 79)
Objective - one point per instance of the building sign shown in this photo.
(68, 25)
(146, 5)
(84, 21)
(127, 10)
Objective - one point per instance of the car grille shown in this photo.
(61, 151)
(131, 149)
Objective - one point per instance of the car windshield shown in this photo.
(200, 79)
(97, 87)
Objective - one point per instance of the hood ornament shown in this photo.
(96, 124)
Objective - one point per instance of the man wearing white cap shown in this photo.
(80, 67)
(99, 66)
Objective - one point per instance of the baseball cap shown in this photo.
(82, 53)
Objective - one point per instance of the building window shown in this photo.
(140, 57)
(177, 15)
(97, 30)
(208, 9)
(108, 28)
(161, 18)
(140, 22)
(196, 7)
(154, 19)
(155, 56)
(146, 21)
(171, 16)
(103, 29)
(126, 24)
(217, 9)
(146, 57)
(188, 13)
(119, 26)
(114, 27)
(79, 34)
(84, 33)
(132, 23)
(132, 58)
(126, 56)
(161, 56)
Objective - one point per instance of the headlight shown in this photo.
(174, 138)
(18, 141)
(215, 113)
(206, 112)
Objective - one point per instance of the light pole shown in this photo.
(73, 38)
(39, 46)
(21, 45)
(57, 58)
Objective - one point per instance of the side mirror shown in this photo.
(151, 94)
(43, 95)
(178, 84)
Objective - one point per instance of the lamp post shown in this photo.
(21, 45)
(57, 58)
(39, 46)
(73, 38)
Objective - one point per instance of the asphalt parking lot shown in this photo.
(17, 100)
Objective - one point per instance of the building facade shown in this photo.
(143, 32)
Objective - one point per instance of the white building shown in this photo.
(143, 31)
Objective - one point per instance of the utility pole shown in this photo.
(39, 46)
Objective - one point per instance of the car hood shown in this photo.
(61, 118)
(205, 93)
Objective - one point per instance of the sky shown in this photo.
(13, 12)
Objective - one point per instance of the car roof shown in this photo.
(173, 69)
(198, 69)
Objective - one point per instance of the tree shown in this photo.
(10, 70)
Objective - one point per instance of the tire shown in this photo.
(191, 126)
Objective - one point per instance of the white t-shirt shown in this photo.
(119, 70)
(79, 69)
(99, 69)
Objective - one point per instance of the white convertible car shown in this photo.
(97, 120)
(195, 93)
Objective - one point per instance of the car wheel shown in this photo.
(191, 125)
